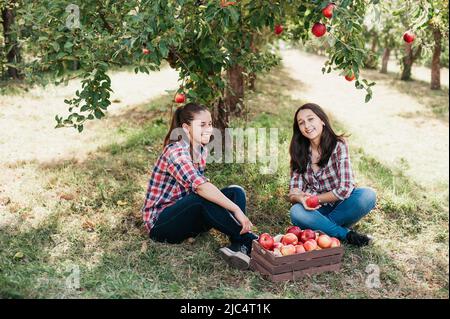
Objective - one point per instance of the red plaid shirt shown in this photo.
(174, 176)
(336, 176)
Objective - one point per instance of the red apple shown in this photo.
(335, 242)
(310, 244)
(180, 98)
(278, 29)
(287, 250)
(294, 230)
(350, 77)
(319, 29)
(409, 37)
(328, 10)
(145, 51)
(277, 252)
(312, 201)
(307, 234)
(289, 239)
(324, 241)
(266, 241)
(299, 249)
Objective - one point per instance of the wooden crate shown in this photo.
(295, 266)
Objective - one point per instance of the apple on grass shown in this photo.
(278, 29)
(289, 239)
(266, 241)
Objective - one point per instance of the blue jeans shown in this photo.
(193, 215)
(335, 219)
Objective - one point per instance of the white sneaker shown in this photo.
(235, 259)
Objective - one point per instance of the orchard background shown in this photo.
(87, 91)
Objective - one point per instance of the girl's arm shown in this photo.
(211, 193)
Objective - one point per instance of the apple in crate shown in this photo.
(287, 250)
(266, 241)
(307, 234)
(310, 245)
(277, 252)
(277, 246)
(335, 242)
(324, 241)
(299, 249)
(294, 230)
(289, 239)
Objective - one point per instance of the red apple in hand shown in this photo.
(266, 241)
(289, 239)
(324, 241)
(328, 11)
(307, 234)
(335, 242)
(409, 37)
(310, 244)
(319, 29)
(312, 201)
(180, 98)
(294, 230)
(278, 29)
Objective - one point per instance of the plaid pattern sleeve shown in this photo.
(344, 175)
(296, 184)
(182, 168)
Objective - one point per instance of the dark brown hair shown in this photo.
(299, 148)
(183, 115)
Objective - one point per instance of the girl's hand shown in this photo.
(303, 201)
(244, 221)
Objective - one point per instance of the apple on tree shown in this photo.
(319, 29)
(278, 29)
(180, 98)
(328, 10)
(409, 36)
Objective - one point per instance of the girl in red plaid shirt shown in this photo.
(321, 175)
(182, 203)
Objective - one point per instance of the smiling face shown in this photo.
(310, 125)
(200, 129)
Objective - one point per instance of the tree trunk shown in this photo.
(436, 61)
(13, 55)
(407, 62)
(385, 60)
(234, 95)
(221, 116)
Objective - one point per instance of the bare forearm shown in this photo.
(327, 197)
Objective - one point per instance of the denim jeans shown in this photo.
(193, 215)
(334, 219)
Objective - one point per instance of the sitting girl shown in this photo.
(182, 203)
(321, 171)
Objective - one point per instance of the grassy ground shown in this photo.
(97, 228)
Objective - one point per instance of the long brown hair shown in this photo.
(299, 148)
(183, 115)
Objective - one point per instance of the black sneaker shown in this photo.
(237, 259)
(357, 239)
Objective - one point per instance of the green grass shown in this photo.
(101, 232)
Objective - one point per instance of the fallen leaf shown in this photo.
(121, 203)
(144, 247)
(67, 197)
(19, 255)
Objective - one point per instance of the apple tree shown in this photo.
(214, 45)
